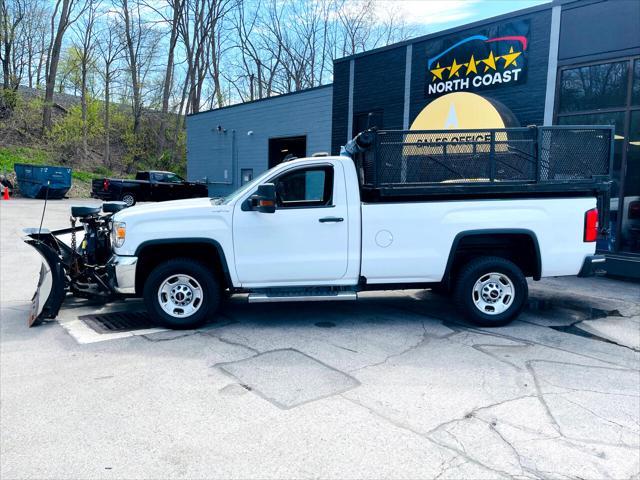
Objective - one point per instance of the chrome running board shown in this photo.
(298, 296)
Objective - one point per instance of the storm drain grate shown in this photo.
(118, 321)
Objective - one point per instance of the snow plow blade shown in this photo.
(52, 282)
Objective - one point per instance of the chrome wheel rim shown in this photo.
(180, 296)
(128, 199)
(493, 293)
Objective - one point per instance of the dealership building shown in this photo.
(568, 62)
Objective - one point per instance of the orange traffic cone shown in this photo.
(5, 195)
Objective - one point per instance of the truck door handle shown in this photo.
(331, 219)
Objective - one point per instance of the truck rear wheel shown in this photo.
(491, 291)
(181, 293)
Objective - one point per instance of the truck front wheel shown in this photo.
(181, 293)
(491, 291)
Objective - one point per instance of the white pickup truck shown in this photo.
(309, 229)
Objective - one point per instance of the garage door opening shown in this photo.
(285, 148)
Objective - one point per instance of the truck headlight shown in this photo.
(119, 232)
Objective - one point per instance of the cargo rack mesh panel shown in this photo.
(434, 160)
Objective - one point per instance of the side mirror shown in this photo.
(264, 200)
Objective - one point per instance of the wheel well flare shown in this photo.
(207, 253)
(519, 247)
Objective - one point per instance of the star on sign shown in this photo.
(454, 69)
(437, 72)
(510, 58)
(472, 66)
(490, 62)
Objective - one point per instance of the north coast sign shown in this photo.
(479, 62)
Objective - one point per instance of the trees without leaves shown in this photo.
(66, 13)
(174, 57)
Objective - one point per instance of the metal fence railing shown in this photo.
(539, 155)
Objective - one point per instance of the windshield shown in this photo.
(245, 188)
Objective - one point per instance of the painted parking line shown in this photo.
(70, 320)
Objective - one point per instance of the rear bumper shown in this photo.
(592, 265)
(123, 270)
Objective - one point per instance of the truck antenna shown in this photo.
(44, 209)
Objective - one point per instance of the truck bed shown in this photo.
(412, 241)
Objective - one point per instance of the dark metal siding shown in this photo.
(379, 85)
(210, 152)
(613, 30)
(340, 105)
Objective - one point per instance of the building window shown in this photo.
(609, 94)
(635, 97)
(594, 87)
(246, 175)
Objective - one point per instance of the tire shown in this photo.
(128, 198)
(491, 291)
(190, 291)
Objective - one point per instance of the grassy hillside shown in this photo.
(22, 141)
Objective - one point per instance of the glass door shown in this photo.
(609, 94)
(630, 203)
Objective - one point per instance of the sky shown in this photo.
(435, 15)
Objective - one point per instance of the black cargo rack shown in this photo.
(556, 160)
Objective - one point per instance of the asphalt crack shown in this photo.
(231, 342)
(422, 341)
(540, 395)
(423, 436)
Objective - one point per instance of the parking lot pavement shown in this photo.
(396, 385)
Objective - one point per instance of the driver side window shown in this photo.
(306, 187)
(172, 178)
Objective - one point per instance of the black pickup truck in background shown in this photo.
(151, 186)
